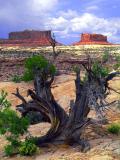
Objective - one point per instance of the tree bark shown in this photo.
(66, 128)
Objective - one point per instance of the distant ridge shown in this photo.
(88, 39)
(28, 38)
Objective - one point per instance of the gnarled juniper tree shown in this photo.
(67, 128)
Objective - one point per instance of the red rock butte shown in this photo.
(28, 38)
(89, 39)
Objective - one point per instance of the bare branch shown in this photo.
(113, 90)
(112, 75)
(17, 94)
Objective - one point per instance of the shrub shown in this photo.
(117, 65)
(114, 128)
(13, 140)
(11, 122)
(76, 69)
(13, 127)
(40, 63)
(16, 79)
(27, 148)
(4, 103)
(99, 70)
(9, 150)
(28, 76)
(105, 56)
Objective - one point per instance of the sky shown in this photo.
(66, 18)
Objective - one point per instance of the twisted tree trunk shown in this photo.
(67, 128)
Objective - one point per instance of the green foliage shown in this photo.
(27, 148)
(99, 70)
(117, 65)
(28, 76)
(114, 128)
(4, 103)
(105, 57)
(16, 79)
(13, 127)
(76, 69)
(13, 139)
(11, 122)
(9, 150)
(85, 78)
(37, 62)
(16, 126)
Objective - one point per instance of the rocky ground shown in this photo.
(12, 58)
(104, 146)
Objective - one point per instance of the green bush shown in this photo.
(99, 70)
(9, 150)
(13, 127)
(13, 140)
(4, 103)
(11, 122)
(114, 128)
(105, 56)
(117, 65)
(16, 78)
(40, 63)
(27, 148)
(28, 76)
(76, 69)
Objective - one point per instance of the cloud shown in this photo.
(96, 2)
(92, 8)
(68, 14)
(15, 11)
(87, 22)
(53, 14)
(43, 5)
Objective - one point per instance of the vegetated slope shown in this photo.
(12, 58)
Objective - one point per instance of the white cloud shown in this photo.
(96, 2)
(67, 26)
(43, 14)
(58, 23)
(69, 14)
(92, 8)
(32, 14)
(43, 5)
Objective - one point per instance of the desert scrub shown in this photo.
(9, 150)
(12, 127)
(105, 56)
(114, 128)
(117, 65)
(4, 103)
(16, 78)
(37, 63)
(27, 148)
(99, 70)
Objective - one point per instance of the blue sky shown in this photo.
(66, 18)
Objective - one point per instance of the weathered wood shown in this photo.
(67, 128)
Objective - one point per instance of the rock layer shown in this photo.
(87, 39)
(28, 38)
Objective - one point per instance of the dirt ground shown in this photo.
(104, 146)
